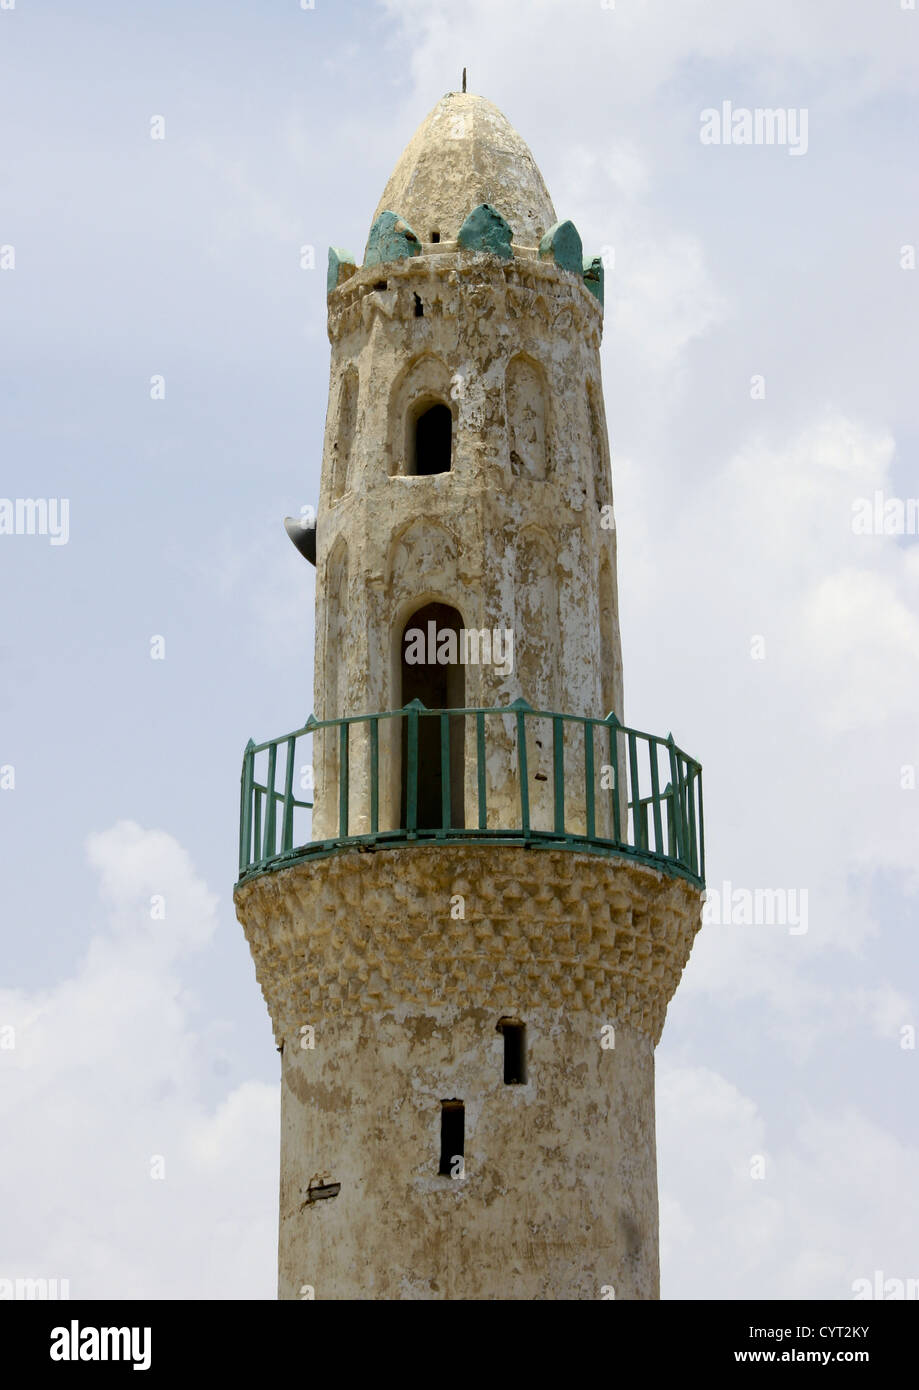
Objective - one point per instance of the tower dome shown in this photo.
(464, 153)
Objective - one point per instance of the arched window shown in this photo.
(421, 418)
(607, 596)
(433, 673)
(599, 460)
(539, 648)
(430, 439)
(344, 439)
(526, 395)
(334, 688)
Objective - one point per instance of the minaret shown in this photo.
(468, 941)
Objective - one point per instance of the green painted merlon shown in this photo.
(341, 265)
(593, 275)
(562, 244)
(391, 239)
(486, 230)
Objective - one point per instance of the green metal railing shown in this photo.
(600, 787)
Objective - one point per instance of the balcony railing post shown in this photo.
(268, 848)
(287, 824)
(411, 770)
(444, 773)
(613, 724)
(693, 851)
(343, 779)
(638, 818)
(589, 807)
(667, 797)
(656, 797)
(480, 767)
(694, 854)
(520, 707)
(245, 809)
(700, 867)
(558, 774)
(677, 847)
(374, 775)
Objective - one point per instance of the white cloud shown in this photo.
(103, 1089)
(763, 546)
(589, 59)
(661, 298)
(861, 629)
(135, 866)
(836, 1201)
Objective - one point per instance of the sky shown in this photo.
(164, 368)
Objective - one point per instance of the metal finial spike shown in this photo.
(464, 79)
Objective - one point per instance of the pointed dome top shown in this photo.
(463, 154)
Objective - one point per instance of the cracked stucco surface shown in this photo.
(559, 1196)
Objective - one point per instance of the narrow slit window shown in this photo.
(452, 1137)
(515, 1051)
(419, 307)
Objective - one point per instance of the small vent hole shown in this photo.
(319, 1191)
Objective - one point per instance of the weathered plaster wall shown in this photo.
(516, 546)
(560, 1195)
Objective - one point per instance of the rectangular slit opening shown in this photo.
(322, 1192)
(452, 1138)
(515, 1051)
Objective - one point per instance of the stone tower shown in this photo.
(468, 938)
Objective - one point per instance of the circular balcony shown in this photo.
(504, 776)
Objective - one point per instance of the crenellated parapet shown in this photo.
(395, 246)
(442, 279)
